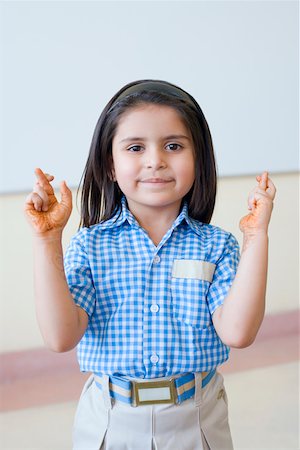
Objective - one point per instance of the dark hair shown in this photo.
(101, 196)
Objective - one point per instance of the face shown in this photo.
(153, 158)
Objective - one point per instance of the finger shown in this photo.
(255, 196)
(33, 201)
(271, 189)
(28, 205)
(49, 177)
(43, 195)
(42, 180)
(251, 199)
(263, 181)
(66, 195)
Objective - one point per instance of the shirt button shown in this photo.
(154, 358)
(156, 259)
(154, 308)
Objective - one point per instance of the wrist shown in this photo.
(254, 232)
(48, 236)
(254, 238)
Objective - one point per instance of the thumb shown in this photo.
(66, 195)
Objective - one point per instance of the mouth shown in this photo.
(156, 180)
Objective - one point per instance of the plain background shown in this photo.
(63, 60)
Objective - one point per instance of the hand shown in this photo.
(260, 203)
(44, 213)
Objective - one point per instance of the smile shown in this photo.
(156, 181)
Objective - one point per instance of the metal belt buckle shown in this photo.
(153, 392)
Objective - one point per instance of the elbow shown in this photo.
(59, 346)
(61, 342)
(242, 340)
(61, 349)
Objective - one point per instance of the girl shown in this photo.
(152, 294)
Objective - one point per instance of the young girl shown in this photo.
(151, 293)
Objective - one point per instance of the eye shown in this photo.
(135, 148)
(173, 147)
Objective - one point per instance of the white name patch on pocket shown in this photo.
(191, 268)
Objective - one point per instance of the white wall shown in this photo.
(63, 60)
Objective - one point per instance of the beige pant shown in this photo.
(199, 423)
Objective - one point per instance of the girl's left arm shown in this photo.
(238, 320)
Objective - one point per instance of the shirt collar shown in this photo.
(126, 214)
(123, 214)
(195, 225)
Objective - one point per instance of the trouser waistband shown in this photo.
(148, 392)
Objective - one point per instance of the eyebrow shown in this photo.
(171, 136)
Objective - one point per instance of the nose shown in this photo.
(155, 159)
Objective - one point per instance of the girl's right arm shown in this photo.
(62, 323)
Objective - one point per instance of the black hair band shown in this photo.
(157, 86)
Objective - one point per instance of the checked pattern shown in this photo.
(143, 322)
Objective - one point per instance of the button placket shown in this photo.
(154, 308)
(156, 259)
(151, 310)
(154, 358)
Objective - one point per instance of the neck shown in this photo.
(155, 223)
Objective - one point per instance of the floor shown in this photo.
(262, 385)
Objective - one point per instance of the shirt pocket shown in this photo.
(189, 286)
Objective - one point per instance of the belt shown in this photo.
(172, 390)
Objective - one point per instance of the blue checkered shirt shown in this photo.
(145, 319)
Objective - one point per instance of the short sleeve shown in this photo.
(79, 276)
(224, 275)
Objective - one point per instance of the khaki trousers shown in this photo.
(199, 423)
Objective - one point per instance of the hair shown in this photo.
(101, 195)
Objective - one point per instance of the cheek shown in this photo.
(187, 172)
(124, 172)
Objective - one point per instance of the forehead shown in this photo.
(150, 118)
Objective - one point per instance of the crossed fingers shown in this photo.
(42, 189)
(264, 189)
